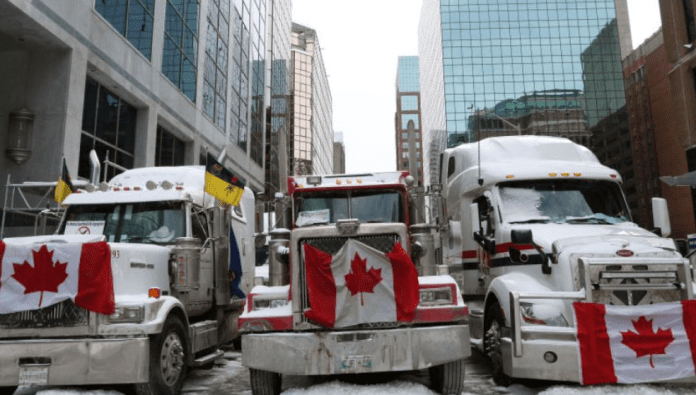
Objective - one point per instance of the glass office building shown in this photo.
(409, 151)
(312, 119)
(503, 67)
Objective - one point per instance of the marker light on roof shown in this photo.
(126, 188)
(358, 180)
(116, 189)
(179, 187)
(565, 174)
(553, 174)
(577, 174)
(136, 188)
(509, 176)
(338, 182)
(349, 181)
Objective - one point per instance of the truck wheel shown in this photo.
(493, 333)
(448, 378)
(8, 390)
(168, 354)
(264, 382)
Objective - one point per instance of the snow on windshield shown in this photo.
(561, 201)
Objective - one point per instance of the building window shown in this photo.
(132, 18)
(216, 55)
(181, 45)
(108, 127)
(170, 150)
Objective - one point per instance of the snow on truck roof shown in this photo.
(525, 157)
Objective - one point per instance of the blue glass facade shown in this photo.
(509, 66)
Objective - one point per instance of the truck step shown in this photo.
(208, 358)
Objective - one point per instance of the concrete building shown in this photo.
(644, 79)
(311, 140)
(147, 82)
(407, 119)
(480, 58)
(339, 154)
(679, 30)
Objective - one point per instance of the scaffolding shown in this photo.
(32, 199)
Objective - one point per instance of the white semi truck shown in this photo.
(533, 224)
(170, 247)
(345, 296)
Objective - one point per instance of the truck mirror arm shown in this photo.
(487, 244)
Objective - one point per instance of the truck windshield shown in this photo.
(366, 206)
(562, 201)
(150, 222)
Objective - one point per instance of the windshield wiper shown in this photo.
(532, 221)
(587, 220)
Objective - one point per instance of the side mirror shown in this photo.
(661, 216)
(474, 218)
(521, 236)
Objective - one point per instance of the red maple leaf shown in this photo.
(647, 342)
(44, 276)
(360, 279)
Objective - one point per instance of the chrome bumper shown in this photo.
(76, 361)
(361, 351)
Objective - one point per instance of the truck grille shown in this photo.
(633, 284)
(63, 314)
(331, 245)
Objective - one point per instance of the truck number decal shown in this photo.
(140, 265)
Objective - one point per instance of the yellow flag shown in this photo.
(221, 183)
(64, 186)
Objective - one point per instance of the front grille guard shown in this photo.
(63, 314)
(677, 280)
(331, 245)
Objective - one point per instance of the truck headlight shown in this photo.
(435, 296)
(542, 314)
(127, 314)
(261, 302)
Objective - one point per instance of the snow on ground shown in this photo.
(229, 377)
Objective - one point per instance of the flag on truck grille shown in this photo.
(635, 344)
(360, 285)
(35, 276)
(221, 183)
(64, 187)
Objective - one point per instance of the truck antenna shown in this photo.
(478, 137)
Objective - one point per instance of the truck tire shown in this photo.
(8, 390)
(264, 382)
(492, 335)
(168, 354)
(448, 379)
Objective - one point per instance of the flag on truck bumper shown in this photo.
(635, 344)
(359, 285)
(34, 277)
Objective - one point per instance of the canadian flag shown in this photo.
(360, 285)
(36, 276)
(635, 344)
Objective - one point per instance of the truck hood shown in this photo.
(136, 267)
(588, 237)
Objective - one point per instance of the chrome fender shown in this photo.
(155, 313)
(501, 287)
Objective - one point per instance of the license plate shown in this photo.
(33, 375)
(356, 362)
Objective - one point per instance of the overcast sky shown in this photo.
(361, 41)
